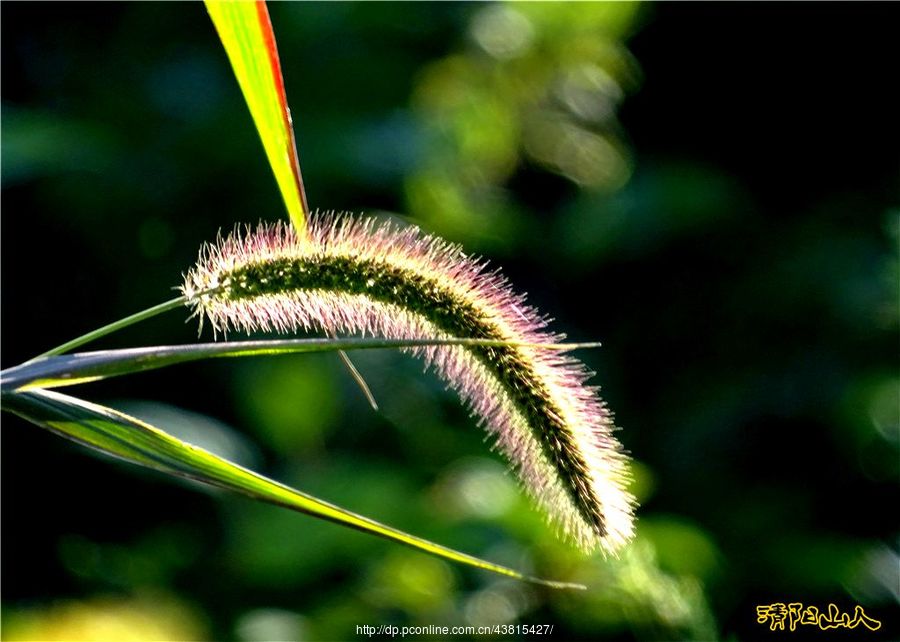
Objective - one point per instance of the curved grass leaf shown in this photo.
(125, 437)
(72, 369)
(246, 34)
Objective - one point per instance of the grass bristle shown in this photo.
(359, 276)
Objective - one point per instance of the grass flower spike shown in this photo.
(358, 276)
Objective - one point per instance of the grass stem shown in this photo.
(115, 326)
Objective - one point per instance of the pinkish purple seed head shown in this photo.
(352, 276)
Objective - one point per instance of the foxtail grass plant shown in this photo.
(365, 285)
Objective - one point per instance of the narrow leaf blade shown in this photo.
(82, 367)
(246, 33)
(125, 437)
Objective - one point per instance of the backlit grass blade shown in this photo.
(246, 34)
(125, 437)
(82, 367)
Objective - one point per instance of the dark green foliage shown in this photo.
(743, 282)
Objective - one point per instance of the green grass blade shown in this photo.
(130, 320)
(125, 437)
(246, 34)
(67, 370)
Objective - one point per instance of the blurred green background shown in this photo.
(710, 190)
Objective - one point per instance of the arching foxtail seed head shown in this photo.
(357, 276)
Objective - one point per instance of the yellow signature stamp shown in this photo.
(780, 615)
